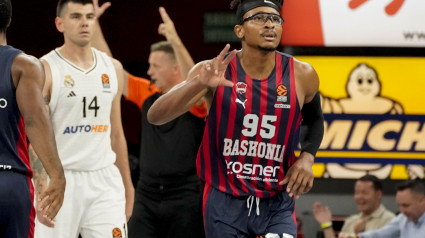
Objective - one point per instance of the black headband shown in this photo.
(247, 5)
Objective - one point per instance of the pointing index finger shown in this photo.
(164, 15)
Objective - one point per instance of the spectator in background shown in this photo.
(169, 193)
(373, 215)
(410, 223)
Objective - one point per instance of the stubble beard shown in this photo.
(267, 49)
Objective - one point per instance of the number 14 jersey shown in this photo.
(80, 110)
(249, 137)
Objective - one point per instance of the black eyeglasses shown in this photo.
(261, 19)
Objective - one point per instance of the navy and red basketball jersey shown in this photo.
(248, 143)
(13, 139)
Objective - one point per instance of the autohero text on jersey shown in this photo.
(86, 129)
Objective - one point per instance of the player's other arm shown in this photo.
(202, 81)
(300, 176)
(167, 29)
(28, 77)
(119, 145)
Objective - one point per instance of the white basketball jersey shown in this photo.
(80, 108)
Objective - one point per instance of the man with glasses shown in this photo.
(257, 101)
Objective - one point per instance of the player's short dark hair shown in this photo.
(243, 6)
(62, 4)
(5, 14)
(164, 46)
(376, 183)
(417, 186)
(235, 3)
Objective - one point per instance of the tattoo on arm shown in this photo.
(46, 100)
(40, 175)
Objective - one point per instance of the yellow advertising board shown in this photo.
(374, 110)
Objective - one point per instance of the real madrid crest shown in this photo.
(69, 82)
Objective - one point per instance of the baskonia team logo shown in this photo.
(241, 87)
(69, 82)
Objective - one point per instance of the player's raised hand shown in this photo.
(99, 10)
(167, 28)
(212, 71)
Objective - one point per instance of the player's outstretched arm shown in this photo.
(201, 81)
(167, 29)
(98, 40)
(28, 76)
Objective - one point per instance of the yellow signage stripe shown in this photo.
(359, 154)
(372, 155)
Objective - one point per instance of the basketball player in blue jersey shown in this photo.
(258, 98)
(22, 114)
(83, 90)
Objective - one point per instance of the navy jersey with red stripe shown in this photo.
(249, 139)
(13, 139)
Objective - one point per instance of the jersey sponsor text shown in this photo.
(253, 149)
(86, 129)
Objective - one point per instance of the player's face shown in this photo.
(364, 83)
(366, 197)
(410, 204)
(161, 68)
(258, 34)
(77, 23)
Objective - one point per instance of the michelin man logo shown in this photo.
(363, 89)
(3, 103)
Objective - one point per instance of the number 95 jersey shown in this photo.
(80, 110)
(249, 136)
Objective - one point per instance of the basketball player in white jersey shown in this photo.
(83, 90)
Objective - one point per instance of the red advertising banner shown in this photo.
(386, 23)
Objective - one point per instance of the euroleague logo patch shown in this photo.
(105, 81)
(116, 233)
(281, 90)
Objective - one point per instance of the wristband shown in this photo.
(325, 225)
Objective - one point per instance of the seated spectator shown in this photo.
(373, 215)
(410, 223)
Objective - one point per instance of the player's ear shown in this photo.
(239, 31)
(59, 24)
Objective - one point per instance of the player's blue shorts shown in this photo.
(16, 205)
(240, 217)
